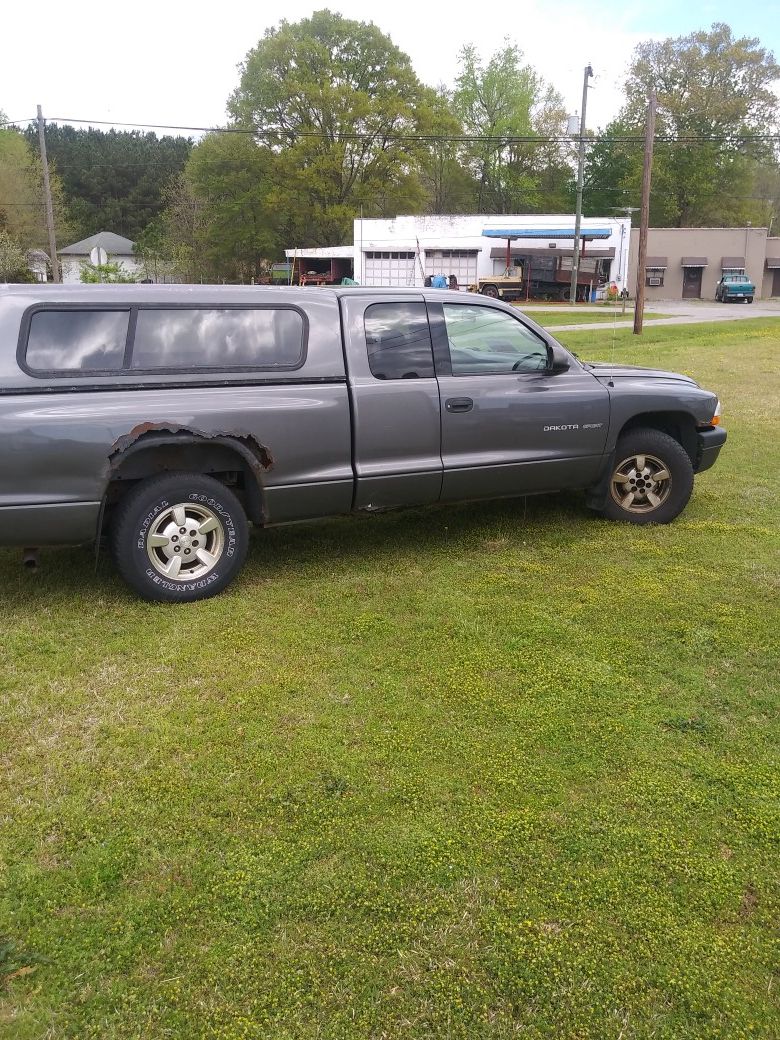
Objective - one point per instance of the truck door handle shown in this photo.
(459, 404)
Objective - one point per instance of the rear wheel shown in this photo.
(179, 537)
(651, 480)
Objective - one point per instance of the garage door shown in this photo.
(390, 268)
(460, 262)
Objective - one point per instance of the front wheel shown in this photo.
(651, 480)
(179, 537)
(491, 291)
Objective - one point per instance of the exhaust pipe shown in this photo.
(30, 559)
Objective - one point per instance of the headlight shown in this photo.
(715, 420)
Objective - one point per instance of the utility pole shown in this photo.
(575, 263)
(644, 216)
(55, 266)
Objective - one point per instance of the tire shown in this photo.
(750, 299)
(491, 291)
(162, 508)
(659, 490)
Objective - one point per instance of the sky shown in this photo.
(176, 63)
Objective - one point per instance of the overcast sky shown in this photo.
(175, 62)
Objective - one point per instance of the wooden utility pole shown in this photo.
(644, 216)
(575, 263)
(55, 265)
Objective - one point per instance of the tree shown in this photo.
(112, 180)
(111, 273)
(448, 183)
(708, 85)
(172, 244)
(341, 112)
(229, 176)
(13, 260)
(21, 194)
(496, 102)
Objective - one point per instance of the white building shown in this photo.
(405, 250)
(38, 264)
(119, 250)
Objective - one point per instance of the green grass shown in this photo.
(490, 771)
(551, 318)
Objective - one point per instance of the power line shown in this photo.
(427, 138)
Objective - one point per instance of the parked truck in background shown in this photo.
(169, 418)
(735, 286)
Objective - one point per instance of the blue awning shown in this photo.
(588, 234)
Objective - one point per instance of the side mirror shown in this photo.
(559, 360)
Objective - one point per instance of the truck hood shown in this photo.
(604, 370)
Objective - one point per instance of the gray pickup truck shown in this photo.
(166, 418)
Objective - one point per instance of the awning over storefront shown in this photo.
(773, 263)
(520, 251)
(732, 263)
(587, 234)
(657, 261)
(693, 261)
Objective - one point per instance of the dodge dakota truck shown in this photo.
(166, 419)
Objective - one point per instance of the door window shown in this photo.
(398, 341)
(484, 341)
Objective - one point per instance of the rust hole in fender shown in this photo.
(257, 455)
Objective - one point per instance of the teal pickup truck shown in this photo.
(735, 286)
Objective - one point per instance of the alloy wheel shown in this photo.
(185, 541)
(641, 483)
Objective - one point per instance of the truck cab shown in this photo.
(506, 286)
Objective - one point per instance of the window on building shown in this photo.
(398, 341)
(654, 276)
(261, 338)
(484, 341)
(372, 255)
(77, 340)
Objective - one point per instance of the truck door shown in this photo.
(395, 400)
(509, 425)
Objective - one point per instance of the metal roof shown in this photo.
(693, 261)
(114, 245)
(773, 263)
(657, 261)
(732, 262)
(322, 253)
(588, 234)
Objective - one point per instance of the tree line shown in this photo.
(330, 120)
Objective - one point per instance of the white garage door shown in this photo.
(460, 262)
(390, 268)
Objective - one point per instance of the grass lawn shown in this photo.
(491, 771)
(551, 318)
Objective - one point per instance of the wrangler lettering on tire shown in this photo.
(179, 537)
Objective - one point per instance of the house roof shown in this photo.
(114, 245)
